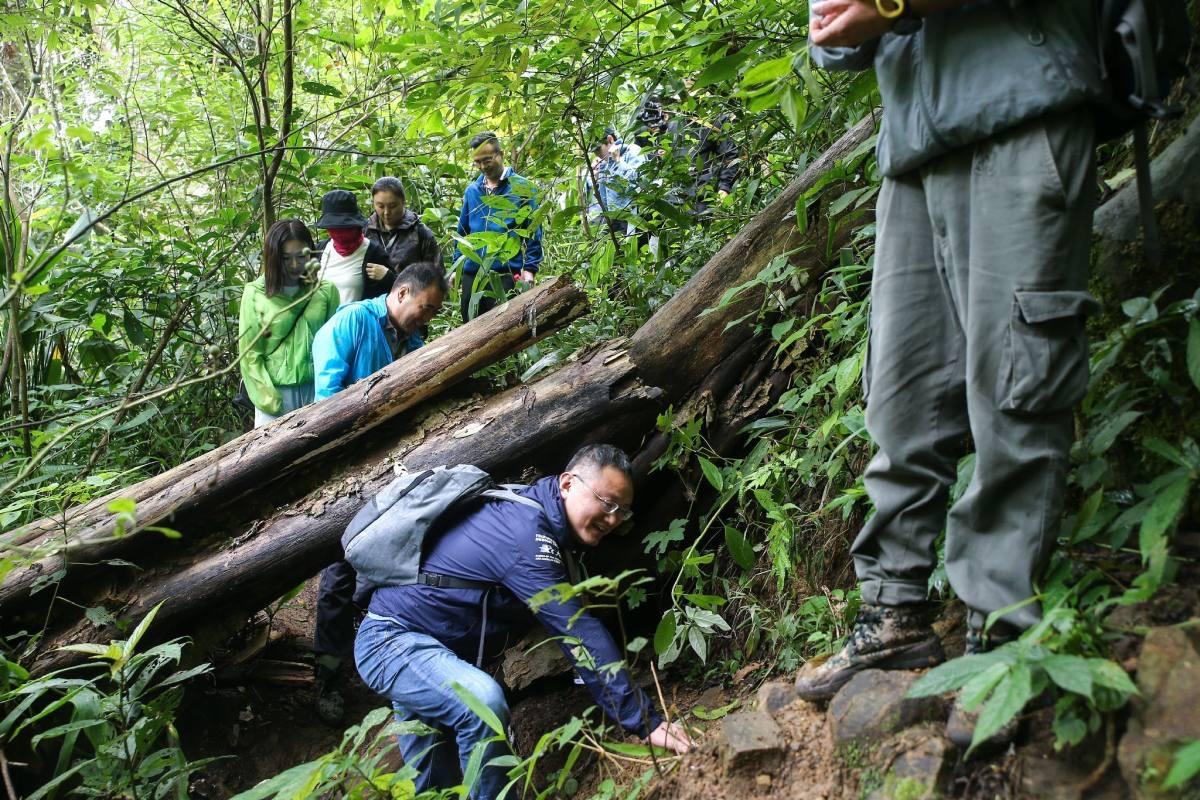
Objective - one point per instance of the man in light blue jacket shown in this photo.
(364, 337)
(359, 340)
(978, 301)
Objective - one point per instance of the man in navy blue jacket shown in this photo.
(501, 203)
(419, 641)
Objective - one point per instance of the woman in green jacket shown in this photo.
(281, 312)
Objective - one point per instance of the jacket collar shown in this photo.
(378, 308)
(508, 171)
(545, 491)
(407, 221)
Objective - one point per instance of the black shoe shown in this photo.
(884, 637)
(331, 706)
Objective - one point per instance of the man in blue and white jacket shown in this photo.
(360, 339)
(419, 641)
(501, 203)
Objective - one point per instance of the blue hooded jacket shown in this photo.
(519, 549)
(506, 210)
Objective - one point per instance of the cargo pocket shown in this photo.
(1045, 363)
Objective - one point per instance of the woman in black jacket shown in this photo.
(357, 266)
(397, 230)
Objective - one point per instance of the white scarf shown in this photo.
(345, 272)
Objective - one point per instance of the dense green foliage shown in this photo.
(147, 144)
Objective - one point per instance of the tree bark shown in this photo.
(251, 462)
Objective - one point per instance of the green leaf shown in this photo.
(123, 505)
(323, 89)
(659, 541)
(980, 687)
(723, 69)
(664, 634)
(141, 629)
(479, 708)
(1106, 434)
(700, 712)
(1110, 675)
(1140, 309)
(794, 105)
(767, 71)
(712, 473)
(1187, 759)
(1161, 516)
(1193, 351)
(740, 548)
(1071, 673)
(1007, 701)
(951, 675)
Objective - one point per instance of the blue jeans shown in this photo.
(416, 673)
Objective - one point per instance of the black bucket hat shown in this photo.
(339, 209)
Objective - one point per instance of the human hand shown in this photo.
(376, 272)
(527, 276)
(670, 736)
(845, 23)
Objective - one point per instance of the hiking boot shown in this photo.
(331, 706)
(884, 637)
(960, 727)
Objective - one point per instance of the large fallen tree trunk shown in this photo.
(263, 456)
(616, 387)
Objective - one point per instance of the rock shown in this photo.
(522, 666)
(873, 704)
(1164, 715)
(1050, 778)
(922, 765)
(775, 696)
(928, 759)
(712, 698)
(763, 780)
(751, 742)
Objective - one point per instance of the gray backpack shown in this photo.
(384, 540)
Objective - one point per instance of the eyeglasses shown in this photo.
(485, 160)
(609, 506)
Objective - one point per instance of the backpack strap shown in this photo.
(437, 580)
(507, 492)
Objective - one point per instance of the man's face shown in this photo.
(390, 209)
(597, 502)
(488, 160)
(408, 310)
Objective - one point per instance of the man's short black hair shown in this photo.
(484, 137)
(420, 276)
(388, 184)
(599, 456)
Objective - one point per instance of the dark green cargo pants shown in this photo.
(977, 328)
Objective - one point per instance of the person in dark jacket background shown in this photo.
(395, 228)
(419, 641)
(359, 268)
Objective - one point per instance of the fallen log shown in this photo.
(612, 388)
(263, 456)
